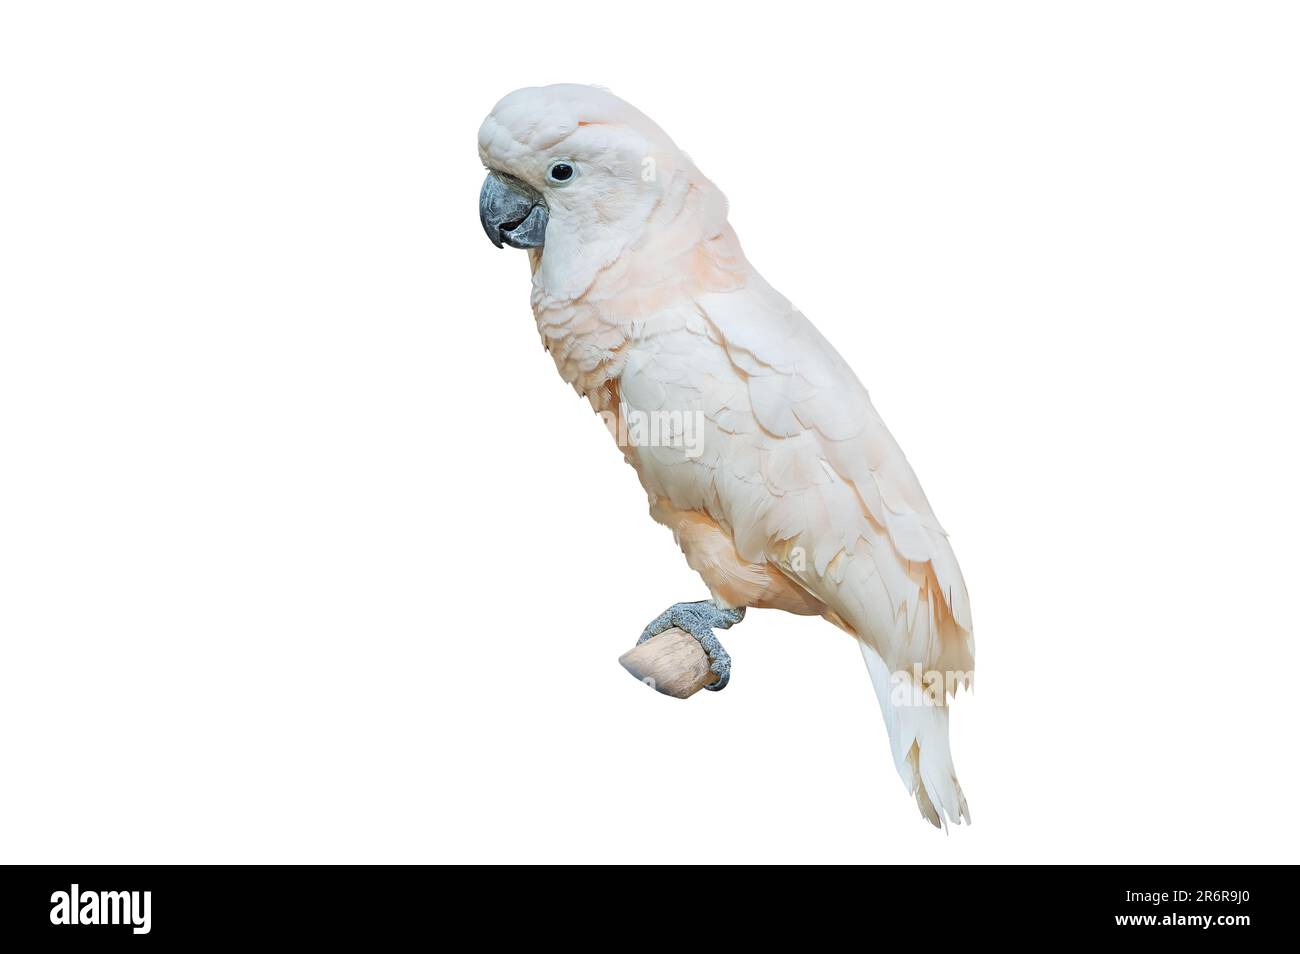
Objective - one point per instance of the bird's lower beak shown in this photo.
(512, 212)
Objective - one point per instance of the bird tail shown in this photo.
(918, 737)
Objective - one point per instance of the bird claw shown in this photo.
(700, 619)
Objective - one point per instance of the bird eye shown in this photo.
(561, 171)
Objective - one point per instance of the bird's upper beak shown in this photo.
(512, 212)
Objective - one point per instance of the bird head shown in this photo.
(578, 176)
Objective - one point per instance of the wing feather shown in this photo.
(837, 483)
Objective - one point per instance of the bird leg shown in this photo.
(700, 619)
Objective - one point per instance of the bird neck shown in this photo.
(684, 250)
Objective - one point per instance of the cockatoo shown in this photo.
(791, 495)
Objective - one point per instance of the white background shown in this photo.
(306, 554)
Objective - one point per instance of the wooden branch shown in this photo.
(672, 663)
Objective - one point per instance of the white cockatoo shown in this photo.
(790, 494)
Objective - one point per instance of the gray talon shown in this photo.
(700, 619)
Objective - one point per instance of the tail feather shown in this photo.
(918, 738)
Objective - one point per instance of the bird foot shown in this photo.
(700, 619)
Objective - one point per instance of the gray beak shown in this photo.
(512, 211)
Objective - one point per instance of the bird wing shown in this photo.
(802, 470)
